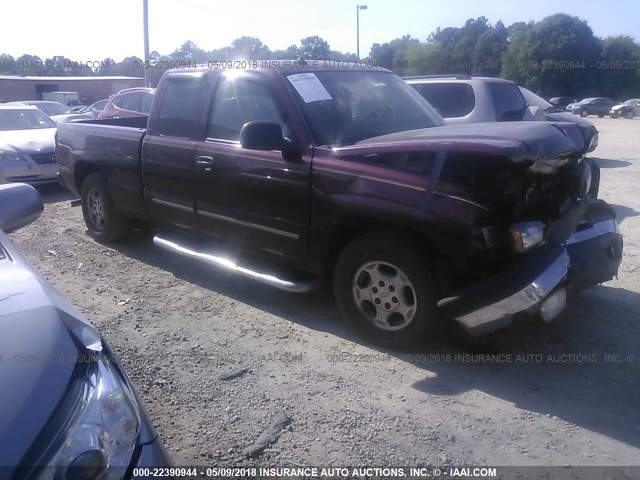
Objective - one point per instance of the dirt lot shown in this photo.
(567, 393)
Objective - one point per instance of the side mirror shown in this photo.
(262, 136)
(20, 204)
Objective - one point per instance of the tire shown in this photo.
(629, 115)
(104, 222)
(584, 113)
(601, 115)
(368, 273)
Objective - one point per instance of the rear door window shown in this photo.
(181, 107)
(449, 99)
(131, 102)
(508, 101)
(145, 103)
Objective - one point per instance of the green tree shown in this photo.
(554, 57)
(615, 70)
(382, 55)
(189, 52)
(249, 48)
(7, 64)
(130, 67)
(314, 48)
(291, 53)
(30, 65)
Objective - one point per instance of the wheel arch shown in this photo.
(348, 228)
(82, 170)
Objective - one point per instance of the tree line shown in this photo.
(558, 55)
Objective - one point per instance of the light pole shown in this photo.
(358, 8)
(145, 21)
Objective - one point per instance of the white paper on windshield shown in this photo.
(309, 87)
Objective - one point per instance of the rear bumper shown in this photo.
(539, 281)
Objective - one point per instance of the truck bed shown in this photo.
(108, 146)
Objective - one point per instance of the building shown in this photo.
(90, 89)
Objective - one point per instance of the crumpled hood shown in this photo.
(36, 140)
(40, 336)
(546, 145)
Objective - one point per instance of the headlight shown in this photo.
(585, 180)
(13, 156)
(102, 433)
(594, 142)
(526, 235)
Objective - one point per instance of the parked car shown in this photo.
(27, 149)
(466, 99)
(628, 109)
(555, 114)
(68, 408)
(131, 102)
(56, 111)
(591, 106)
(348, 174)
(94, 109)
(561, 102)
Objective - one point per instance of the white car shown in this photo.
(27, 152)
(54, 110)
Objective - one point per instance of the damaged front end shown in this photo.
(542, 232)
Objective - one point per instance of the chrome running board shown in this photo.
(297, 286)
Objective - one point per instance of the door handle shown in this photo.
(204, 162)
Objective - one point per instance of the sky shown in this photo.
(87, 30)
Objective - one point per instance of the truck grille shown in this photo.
(44, 158)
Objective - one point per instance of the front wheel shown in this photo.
(629, 115)
(383, 286)
(584, 113)
(601, 115)
(104, 221)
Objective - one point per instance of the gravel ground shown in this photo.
(217, 359)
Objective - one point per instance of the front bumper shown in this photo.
(152, 461)
(590, 255)
(27, 172)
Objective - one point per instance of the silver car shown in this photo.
(56, 111)
(27, 151)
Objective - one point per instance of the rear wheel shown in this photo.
(584, 113)
(104, 221)
(382, 285)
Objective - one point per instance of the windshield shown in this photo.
(586, 101)
(53, 108)
(24, 119)
(632, 102)
(534, 100)
(344, 107)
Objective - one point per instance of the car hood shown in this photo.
(561, 116)
(618, 106)
(544, 145)
(35, 140)
(41, 335)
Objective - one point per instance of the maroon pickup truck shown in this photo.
(295, 173)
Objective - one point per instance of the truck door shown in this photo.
(255, 198)
(169, 148)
